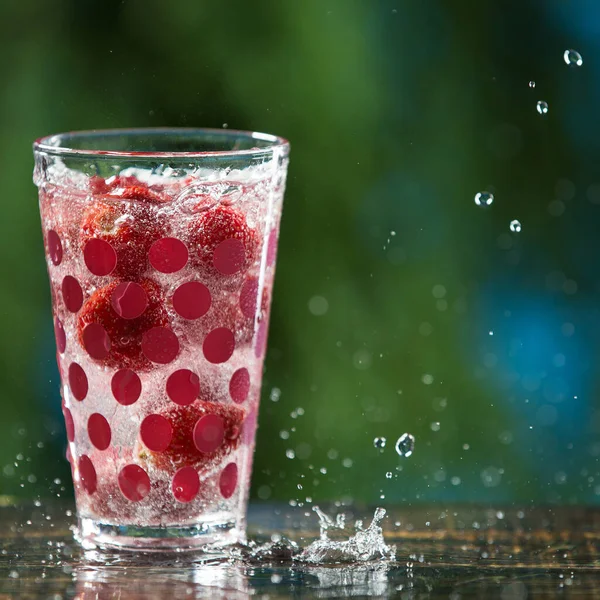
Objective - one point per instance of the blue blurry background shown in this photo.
(400, 305)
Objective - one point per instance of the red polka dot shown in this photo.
(59, 333)
(185, 484)
(129, 300)
(156, 433)
(100, 257)
(96, 341)
(228, 480)
(69, 424)
(229, 256)
(126, 387)
(87, 474)
(239, 385)
(99, 431)
(209, 432)
(168, 255)
(272, 247)
(249, 297)
(191, 300)
(261, 339)
(183, 387)
(78, 381)
(219, 345)
(134, 483)
(72, 293)
(54, 247)
(160, 345)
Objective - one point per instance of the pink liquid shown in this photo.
(161, 296)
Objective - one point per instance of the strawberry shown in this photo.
(125, 334)
(189, 431)
(129, 227)
(222, 241)
(128, 187)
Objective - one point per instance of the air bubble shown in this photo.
(405, 445)
(573, 58)
(542, 107)
(484, 198)
(515, 226)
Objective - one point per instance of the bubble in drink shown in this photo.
(379, 443)
(515, 226)
(484, 198)
(405, 445)
(573, 58)
(542, 107)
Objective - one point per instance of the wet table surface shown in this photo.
(459, 552)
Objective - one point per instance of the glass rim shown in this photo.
(50, 144)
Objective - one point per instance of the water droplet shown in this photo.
(532, 84)
(573, 58)
(484, 198)
(405, 445)
(290, 453)
(388, 475)
(379, 443)
(515, 226)
(435, 426)
(542, 107)
(275, 394)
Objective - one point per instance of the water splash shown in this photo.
(573, 58)
(365, 545)
(542, 107)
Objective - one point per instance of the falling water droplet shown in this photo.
(388, 475)
(515, 226)
(573, 58)
(379, 443)
(532, 84)
(542, 107)
(405, 445)
(484, 198)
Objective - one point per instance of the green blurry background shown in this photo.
(399, 305)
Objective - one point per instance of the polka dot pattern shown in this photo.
(72, 294)
(219, 345)
(69, 424)
(191, 300)
(100, 257)
(126, 387)
(185, 485)
(239, 385)
(87, 474)
(160, 345)
(61, 337)
(229, 256)
(249, 297)
(134, 483)
(168, 255)
(78, 381)
(96, 341)
(228, 480)
(209, 433)
(55, 249)
(183, 387)
(156, 433)
(99, 431)
(129, 300)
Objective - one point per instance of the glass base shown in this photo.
(207, 536)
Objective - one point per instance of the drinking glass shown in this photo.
(160, 246)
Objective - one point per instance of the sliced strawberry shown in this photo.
(129, 227)
(125, 335)
(218, 435)
(223, 241)
(128, 187)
